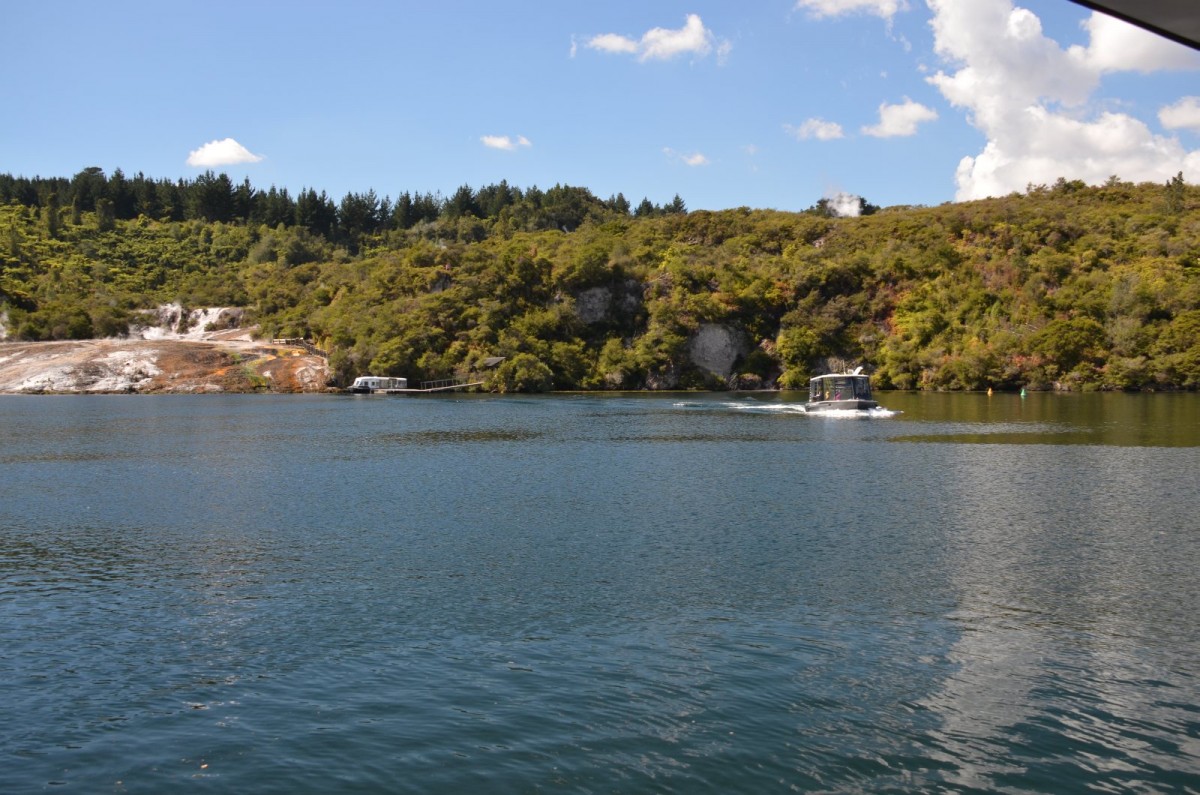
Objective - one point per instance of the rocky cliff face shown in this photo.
(604, 304)
(172, 351)
(717, 348)
(713, 348)
(156, 366)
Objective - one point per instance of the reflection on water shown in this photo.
(1153, 420)
(599, 593)
(1079, 598)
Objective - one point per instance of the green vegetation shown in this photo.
(1065, 286)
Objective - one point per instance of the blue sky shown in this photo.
(761, 104)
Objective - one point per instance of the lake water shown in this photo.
(594, 594)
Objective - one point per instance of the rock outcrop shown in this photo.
(717, 348)
(604, 304)
(157, 366)
(170, 351)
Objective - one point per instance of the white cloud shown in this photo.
(1029, 97)
(694, 159)
(900, 120)
(1117, 46)
(226, 152)
(723, 50)
(504, 142)
(1007, 61)
(1059, 146)
(664, 44)
(612, 42)
(816, 128)
(833, 8)
(1183, 115)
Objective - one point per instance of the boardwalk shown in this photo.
(427, 387)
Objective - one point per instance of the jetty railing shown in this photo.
(303, 343)
(447, 383)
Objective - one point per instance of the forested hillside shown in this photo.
(1064, 286)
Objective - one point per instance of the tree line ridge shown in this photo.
(1063, 286)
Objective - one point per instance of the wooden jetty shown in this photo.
(395, 385)
(381, 385)
(442, 385)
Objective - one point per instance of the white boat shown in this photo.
(366, 384)
(840, 392)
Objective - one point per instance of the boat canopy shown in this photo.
(839, 386)
(379, 382)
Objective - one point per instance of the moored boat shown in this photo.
(367, 384)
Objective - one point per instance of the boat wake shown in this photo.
(757, 407)
(876, 413)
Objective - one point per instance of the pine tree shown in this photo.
(105, 215)
(245, 201)
(87, 186)
(462, 203)
(50, 214)
(404, 214)
(145, 196)
(121, 193)
(1175, 193)
(210, 197)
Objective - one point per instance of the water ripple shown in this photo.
(594, 595)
